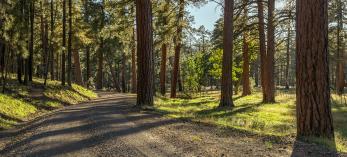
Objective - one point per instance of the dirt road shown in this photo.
(110, 126)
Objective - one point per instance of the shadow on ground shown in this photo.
(309, 149)
(100, 116)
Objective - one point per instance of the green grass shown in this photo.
(250, 115)
(18, 103)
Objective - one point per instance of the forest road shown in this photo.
(110, 126)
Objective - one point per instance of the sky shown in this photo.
(206, 15)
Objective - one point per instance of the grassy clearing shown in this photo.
(251, 115)
(20, 103)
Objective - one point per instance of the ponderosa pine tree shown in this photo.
(312, 70)
(133, 64)
(178, 46)
(51, 59)
(164, 48)
(78, 71)
(69, 51)
(31, 45)
(289, 36)
(64, 45)
(340, 76)
(270, 54)
(266, 53)
(246, 88)
(145, 63)
(99, 75)
(163, 69)
(227, 85)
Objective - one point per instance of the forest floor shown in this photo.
(250, 115)
(111, 126)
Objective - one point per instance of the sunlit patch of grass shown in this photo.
(250, 114)
(68, 95)
(18, 104)
(339, 108)
(13, 109)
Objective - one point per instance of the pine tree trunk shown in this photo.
(340, 76)
(256, 72)
(78, 71)
(133, 66)
(114, 77)
(2, 65)
(262, 49)
(270, 56)
(57, 65)
(163, 69)
(88, 67)
(44, 42)
(123, 68)
(52, 63)
(178, 40)
(64, 46)
(145, 65)
(46, 51)
(227, 85)
(179, 81)
(99, 75)
(312, 70)
(69, 53)
(246, 89)
(31, 46)
(288, 59)
(19, 68)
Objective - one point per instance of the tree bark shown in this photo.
(163, 69)
(312, 70)
(99, 75)
(46, 51)
(246, 89)
(262, 47)
(340, 76)
(123, 68)
(270, 56)
(69, 53)
(267, 53)
(88, 67)
(44, 42)
(227, 85)
(256, 72)
(3, 65)
(52, 63)
(133, 66)
(19, 68)
(179, 81)
(64, 46)
(145, 62)
(178, 40)
(288, 58)
(78, 71)
(114, 76)
(31, 46)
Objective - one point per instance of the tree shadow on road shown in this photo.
(101, 119)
